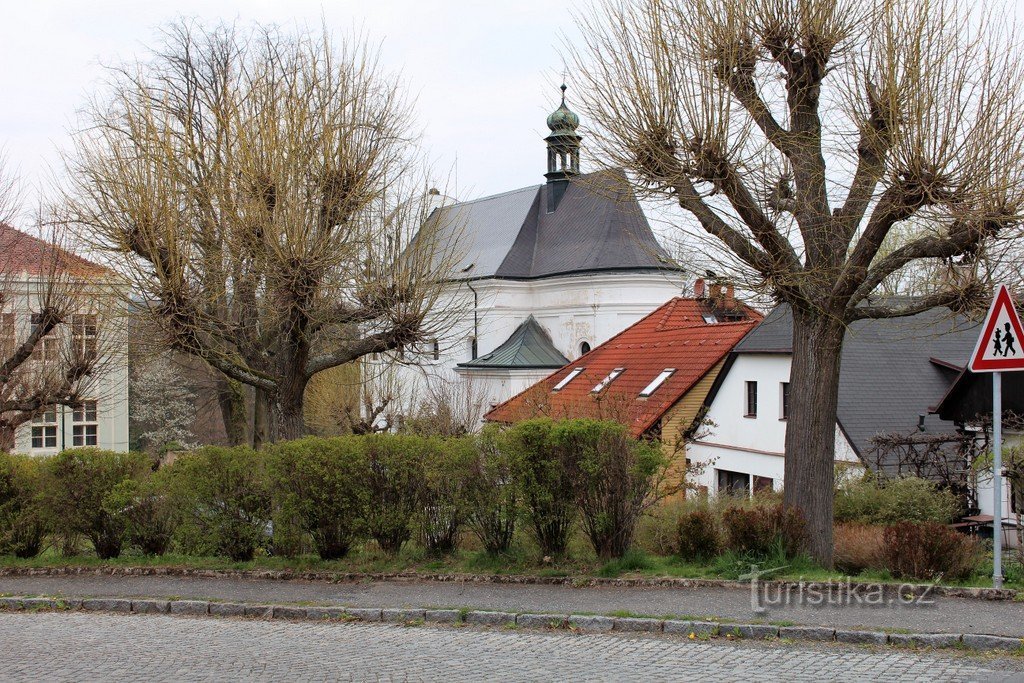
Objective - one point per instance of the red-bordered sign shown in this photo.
(999, 347)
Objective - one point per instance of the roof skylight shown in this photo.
(568, 378)
(657, 382)
(600, 386)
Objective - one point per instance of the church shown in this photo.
(544, 274)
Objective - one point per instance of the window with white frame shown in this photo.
(46, 348)
(784, 400)
(603, 384)
(83, 335)
(568, 378)
(85, 426)
(44, 429)
(657, 382)
(750, 403)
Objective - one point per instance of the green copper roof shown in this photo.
(528, 347)
(563, 121)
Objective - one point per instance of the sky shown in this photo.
(484, 75)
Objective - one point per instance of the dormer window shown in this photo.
(657, 382)
(568, 378)
(603, 384)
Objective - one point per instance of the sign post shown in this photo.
(998, 350)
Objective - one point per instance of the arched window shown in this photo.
(584, 348)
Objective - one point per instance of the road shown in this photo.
(88, 647)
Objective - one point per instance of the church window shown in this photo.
(473, 349)
(568, 378)
(600, 386)
(584, 348)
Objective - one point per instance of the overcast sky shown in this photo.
(484, 75)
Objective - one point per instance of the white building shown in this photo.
(545, 273)
(33, 270)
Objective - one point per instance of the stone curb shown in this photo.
(893, 590)
(702, 630)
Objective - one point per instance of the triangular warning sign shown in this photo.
(999, 347)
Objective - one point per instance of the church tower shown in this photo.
(563, 151)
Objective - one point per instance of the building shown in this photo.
(653, 376)
(36, 276)
(892, 372)
(544, 274)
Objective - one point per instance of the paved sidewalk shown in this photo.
(84, 646)
(946, 615)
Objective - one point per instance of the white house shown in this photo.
(31, 270)
(545, 273)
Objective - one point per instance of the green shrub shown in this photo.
(221, 501)
(759, 529)
(394, 488)
(697, 535)
(322, 482)
(22, 516)
(444, 502)
(613, 476)
(493, 493)
(78, 483)
(146, 511)
(545, 476)
(870, 500)
(929, 550)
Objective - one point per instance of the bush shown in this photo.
(929, 550)
(22, 518)
(221, 501)
(394, 487)
(493, 493)
(613, 475)
(77, 486)
(146, 511)
(697, 535)
(858, 547)
(444, 502)
(870, 500)
(545, 478)
(322, 482)
(759, 529)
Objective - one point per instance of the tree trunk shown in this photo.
(289, 418)
(811, 427)
(231, 398)
(260, 419)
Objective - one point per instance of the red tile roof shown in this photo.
(22, 253)
(675, 335)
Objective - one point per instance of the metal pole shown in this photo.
(997, 480)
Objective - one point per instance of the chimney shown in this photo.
(729, 298)
(698, 288)
(715, 292)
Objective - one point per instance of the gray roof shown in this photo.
(598, 225)
(529, 347)
(888, 376)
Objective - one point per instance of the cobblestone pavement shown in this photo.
(87, 647)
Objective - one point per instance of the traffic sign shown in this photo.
(999, 347)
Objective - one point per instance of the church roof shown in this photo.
(597, 225)
(529, 347)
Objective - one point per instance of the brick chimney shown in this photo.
(698, 289)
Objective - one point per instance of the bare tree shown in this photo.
(800, 134)
(261, 192)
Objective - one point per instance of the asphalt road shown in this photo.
(100, 647)
(945, 615)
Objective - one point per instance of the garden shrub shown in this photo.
(493, 492)
(323, 484)
(697, 535)
(657, 531)
(22, 517)
(546, 480)
(858, 547)
(870, 500)
(444, 502)
(146, 512)
(929, 550)
(613, 476)
(394, 487)
(77, 485)
(221, 500)
(760, 529)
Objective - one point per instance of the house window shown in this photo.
(436, 349)
(603, 384)
(657, 382)
(784, 401)
(83, 335)
(765, 484)
(84, 429)
(568, 378)
(46, 348)
(751, 400)
(584, 348)
(44, 429)
(733, 483)
(7, 336)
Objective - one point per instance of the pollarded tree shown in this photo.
(801, 133)
(260, 191)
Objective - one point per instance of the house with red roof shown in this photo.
(653, 376)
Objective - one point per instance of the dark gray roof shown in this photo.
(529, 347)
(598, 225)
(888, 376)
